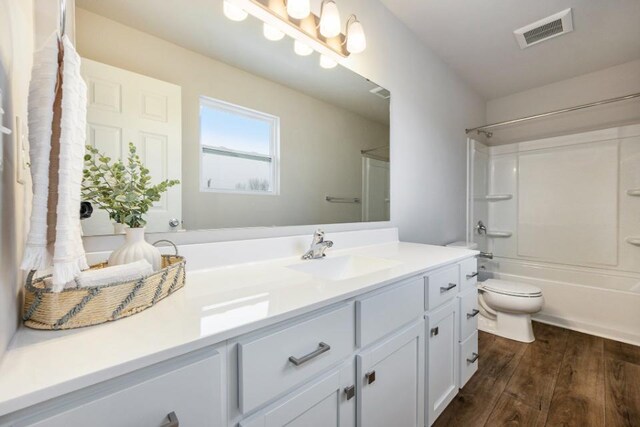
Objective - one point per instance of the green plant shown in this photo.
(122, 189)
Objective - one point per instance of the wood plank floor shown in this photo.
(564, 378)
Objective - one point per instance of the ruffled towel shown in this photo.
(57, 135)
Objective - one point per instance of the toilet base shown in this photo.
(515, 327)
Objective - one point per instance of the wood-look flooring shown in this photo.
(564, 378)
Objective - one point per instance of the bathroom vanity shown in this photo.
(379, 334)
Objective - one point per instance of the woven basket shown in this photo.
(78, 307)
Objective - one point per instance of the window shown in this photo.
(239, 149)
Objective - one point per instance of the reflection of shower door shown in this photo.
(125, 107)
(375, 190)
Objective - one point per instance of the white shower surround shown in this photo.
(592, 284)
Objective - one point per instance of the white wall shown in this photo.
(430, 108)
(604, 84)
(317, 160)
(16, 41)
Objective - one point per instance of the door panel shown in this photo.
(124, 107)
(395, 396)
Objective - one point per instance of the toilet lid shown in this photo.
(511, 288)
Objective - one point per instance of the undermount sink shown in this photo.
(343, 267)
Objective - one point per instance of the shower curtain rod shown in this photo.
(482, 129)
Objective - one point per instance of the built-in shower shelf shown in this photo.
(635, 241)
(499, 234)
(634, 193)
(498, 197)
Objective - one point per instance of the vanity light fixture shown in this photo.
(329, 19)
(271, 33)
(298, 9)
(327, 62)
(310, 33)
(233, 11)
(356, 40)
(301, 49)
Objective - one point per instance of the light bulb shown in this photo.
(327, 62)
(356, 41)
(301, 48)
(234, 12)
(298, 9)
(330, 19)
(271, 33)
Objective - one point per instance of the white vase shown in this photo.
(136, 248)
(119, 228)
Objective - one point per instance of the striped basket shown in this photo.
(78, 307)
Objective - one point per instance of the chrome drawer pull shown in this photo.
(350, 392)
(474, 357)
(435, 331)
(370, 376)
(322, 348)
(172, 420)
(472, 275)
(448, 288)
(473, 313)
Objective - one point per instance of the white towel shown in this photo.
(116, 273)
(104, 276)
(65, 250)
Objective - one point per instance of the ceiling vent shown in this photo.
(381, 92)
(544, 29)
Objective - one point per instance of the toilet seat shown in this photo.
(504, 287)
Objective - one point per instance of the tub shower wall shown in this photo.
(563, 214)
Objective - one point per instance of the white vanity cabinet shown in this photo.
(442, 358)
(393, 356)
(327, 402)
(186, 392)
(390, 380)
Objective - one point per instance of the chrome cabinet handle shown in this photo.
(435, 331)
(172, 420)
(448, 288)
(350, 392)
(474, 357)
(473, 313)
(174, 222)
(370, 376)
(322, 348)
(472, 275)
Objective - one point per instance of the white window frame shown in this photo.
(274, 146)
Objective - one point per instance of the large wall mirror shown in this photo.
(257, 135)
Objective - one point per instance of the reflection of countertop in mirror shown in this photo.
(216, 304)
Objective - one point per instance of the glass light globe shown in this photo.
(301, 48)
(330, 19)
(298, 9)
(233, 12)
(327, 62)
(271, 33)
(356, 40)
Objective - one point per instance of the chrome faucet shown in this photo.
(318, 246)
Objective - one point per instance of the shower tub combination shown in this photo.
(563, 214)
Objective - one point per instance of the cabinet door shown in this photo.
(442, 359)
(325, 403)
(390, 377)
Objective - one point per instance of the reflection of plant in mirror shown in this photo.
(123, 190)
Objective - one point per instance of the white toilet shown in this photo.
(506, 308)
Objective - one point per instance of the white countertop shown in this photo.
(216, 304)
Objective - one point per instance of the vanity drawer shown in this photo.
(387, 311)
(441, 286)
(468, 313)
(468, 273)
(271, 365)
(468, 358)
(192, 392)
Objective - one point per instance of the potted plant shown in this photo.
(125, 192)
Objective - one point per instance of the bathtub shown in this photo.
(598, 302)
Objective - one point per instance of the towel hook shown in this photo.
(63, 18)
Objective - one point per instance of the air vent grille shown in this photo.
(381, 92)
(544, 29)
(547, 30)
